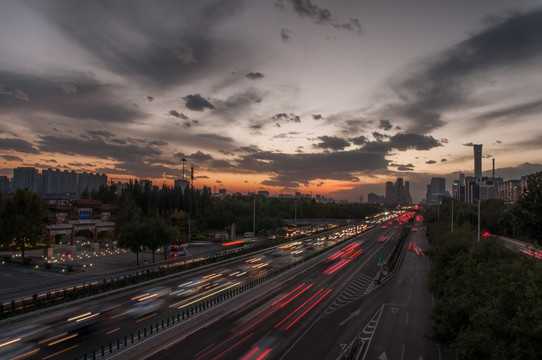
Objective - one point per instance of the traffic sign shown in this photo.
(380, 260)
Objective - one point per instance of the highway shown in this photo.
(331, 297)
(264, 324)
(80, 328)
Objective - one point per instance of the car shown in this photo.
(18, 350)
(155, 292)
(145, 307)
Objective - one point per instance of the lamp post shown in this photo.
(183, 161)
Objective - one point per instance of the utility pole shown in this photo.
(254, 219)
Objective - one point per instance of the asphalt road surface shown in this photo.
(280, 312)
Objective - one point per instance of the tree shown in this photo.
(132, 238)
(163, 234)
(106, 194)
(22, 220)
(528, 210)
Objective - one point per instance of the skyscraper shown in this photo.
(477, 161)
(436, 190)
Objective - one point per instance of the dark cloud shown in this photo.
(150, 98)
(86, 99)
(11, 158)
(405, 142)
(360, 140)
(80, 165)
(215, 137)
(179, 156)
(379, 136)
(430, 162)
(177, 114)
(227, 153)
(133, 151)
(200, 157)
(100, 133)
(385, 124)
(285, 34)
(403, 167)
(332, 142)
(18, 145)
(237, 104)
(511, 112)
(157, 143)
(446, 81)
(443, 160)
(287, 117)
(159, 45)
(221, 165)
(248, 149)
(197, 103)
(292, 170)
(254, 75)
(317, 116)
(305, 9)
(140, 169)
(352, 126)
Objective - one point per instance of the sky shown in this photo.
(317, 96)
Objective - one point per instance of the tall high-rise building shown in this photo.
(435, 190)
(4, 184)
(26, 178)
(477, 161)
(398, 193)
(391, 196)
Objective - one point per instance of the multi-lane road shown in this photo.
(321, 309)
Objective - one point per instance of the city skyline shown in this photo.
(310, 96)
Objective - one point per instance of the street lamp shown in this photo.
(183, 160)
